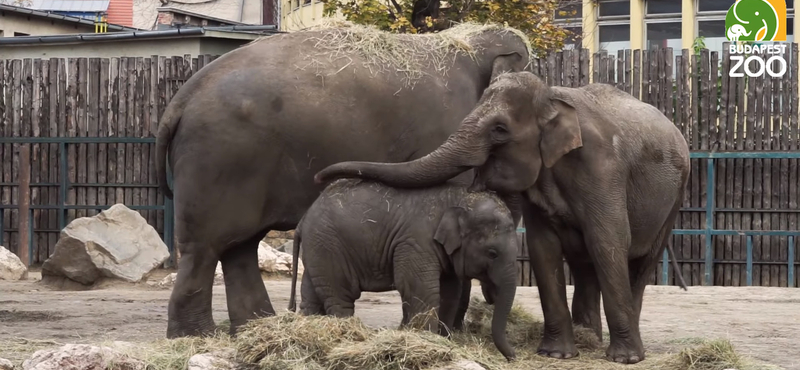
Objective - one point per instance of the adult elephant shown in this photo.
(246, 133)
(603, 176)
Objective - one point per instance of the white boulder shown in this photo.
(116, 243)
(6, 364)
(11, 268)
(463, 365)
(207, 361)
(272, 261)
(80, 357)
(169, 280)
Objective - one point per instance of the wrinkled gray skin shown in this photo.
(246, 134)
(362, 236)
(603, 176)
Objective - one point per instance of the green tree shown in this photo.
(532, 17)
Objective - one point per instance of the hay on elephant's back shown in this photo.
(407, 54)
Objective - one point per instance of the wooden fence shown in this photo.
(123, 97)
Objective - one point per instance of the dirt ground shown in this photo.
(763, 323)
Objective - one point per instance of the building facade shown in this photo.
(614, 25)
(609, 25)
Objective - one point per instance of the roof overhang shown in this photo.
(251, 32)
(64, 18)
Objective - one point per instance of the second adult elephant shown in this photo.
(603, 175)
(246, 134)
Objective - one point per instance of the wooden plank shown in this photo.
(113, 128)
(794, 169)
(4, 114)
(162, 103)
(46, 123)
(758, 178)
(628, 71)
(620, 72)
(777, 274)
(135, 128)
(782, 143)
(52, 125)
(687, 118)
(103, 114)
(71, 131)
(39, 171)
(122, 127)
(646, 77)
(92, 124)
(740, 221)
(130, 123)
(32, 111)
(749, 164)
(24, 204)
(766, 183)
(145, 132)
(83, 69)
(585, 73)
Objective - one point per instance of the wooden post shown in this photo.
(24, 203)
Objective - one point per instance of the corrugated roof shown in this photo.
(71, 5)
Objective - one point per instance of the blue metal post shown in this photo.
(62, 190)
(664, 268)
(709, 220)
(749, 260)
(791, 261)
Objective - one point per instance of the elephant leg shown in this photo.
(544, 248)
(463, 304)
(450, 287)
(608, 241)
(336, 306)
(189, 309)
(310, 304)
(416, 276)
(246, 294)
(586, 299)
(641, 269)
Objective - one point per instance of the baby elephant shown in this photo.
(362, 236)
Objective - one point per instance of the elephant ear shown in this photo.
(561, 132)
(505, 63)
(448, 233)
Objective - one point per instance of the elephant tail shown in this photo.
(295, 259)
(675, 267)
(166, 130)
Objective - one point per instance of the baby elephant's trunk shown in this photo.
(504, 299)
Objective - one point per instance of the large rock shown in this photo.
(117, 243)
(6, 364)
(11, 268)
(273, 261)
(80, 357)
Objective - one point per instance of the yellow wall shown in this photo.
(38, 26)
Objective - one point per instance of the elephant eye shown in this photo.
(492, 253)
(500, 132)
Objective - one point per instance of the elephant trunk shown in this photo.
(462, 151)
(502, 308)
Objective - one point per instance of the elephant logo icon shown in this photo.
(756, 20)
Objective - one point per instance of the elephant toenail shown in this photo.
(633, 359)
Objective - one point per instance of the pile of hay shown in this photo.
(407, 54)
(290, 341)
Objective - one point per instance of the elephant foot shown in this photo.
(176, 330)
(624, 354)
(557, 348)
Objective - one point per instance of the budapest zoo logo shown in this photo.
(747, 24)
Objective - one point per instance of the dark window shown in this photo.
(574, 36)
(617, 32)
(789, 4)
(659, 33)
(663, 6)
(789, 26)
(714, 5)
(21, 34)
(615, 8)
(570, 10)
(711, 28)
